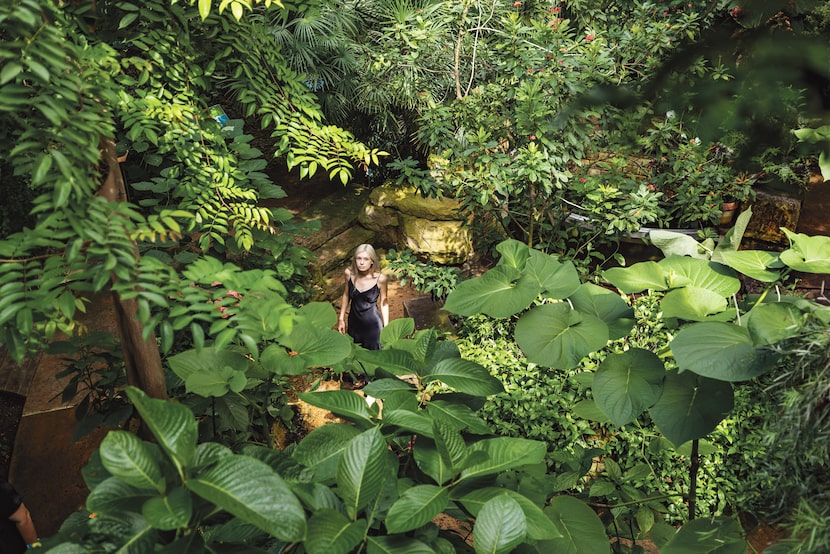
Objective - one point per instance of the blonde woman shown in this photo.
(364, 296)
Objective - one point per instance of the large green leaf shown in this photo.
(637, 278)
(394, 361)
(682, 271)
(316, 347)
(458, 416)
(806, 253)
(194, 361)
(381, 388)
(417, 506)
(253, 492)
(514, 253)
(342, 403)
(414, 422)
(501, 292)
(125, 456)
(554, 335)
(554, 279)
(318, 314)
(606, 306)
(539, 525)
(433, 462)
(720, 351)
(672, 243)
(396, 544)
(173, 425)
(397, 329)
(114, 495)
(691, 406)
(504, 453)
(774, 322)
(692, 303)
(169, 512)
(465, 376)
(216, 381)
(320, 450)
(582, 532)
(754, 263)
(450, 444)
(362, 470)
(330, 532)
(718, 535)
(626, 384)
(500, 526)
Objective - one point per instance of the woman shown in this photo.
(364, 296)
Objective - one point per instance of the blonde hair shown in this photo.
(370, 250)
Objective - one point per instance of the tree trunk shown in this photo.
(141, 357)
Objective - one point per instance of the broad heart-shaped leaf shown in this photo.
(417, 506)
(500, 526)
(504, 453)
(539, 526)
(216, 381)
(588, 409)
(691, 406)
(605, 305)
(581, 529)
(682, 271)
(397, 329)
(514, 253)
(276, 359)
(672, 243)
(193, 361)
(125, 456)
(343, 403)
(773, 322)
(173, 425)
(626, 384)
(396, 544)
(806, 253)
(555, 279)
(637, 278)
(169, 512)
(464, 376)
(330, 532)
(692, 303)
(718, 535)
(320, 450)
(753, 263)
(362, 470)
(253, 492)
(554, 335)
(317, 347)
(394, 361)
(720, 351)
(318, 314)
(500, 292)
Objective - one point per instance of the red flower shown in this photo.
(590, 37)
(532, 137)
(582, 179)
(516, 4)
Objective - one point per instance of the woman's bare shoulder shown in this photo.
(348, 273)
(383, 278)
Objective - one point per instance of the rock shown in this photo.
(770, 212)
(409, 201)
(443, 242)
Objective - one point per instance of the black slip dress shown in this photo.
(365, 321)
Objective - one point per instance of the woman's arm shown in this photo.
(383, 302)
(344, 303)
(23, 519)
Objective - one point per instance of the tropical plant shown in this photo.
(426, 277)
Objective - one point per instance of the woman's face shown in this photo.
(362, 261)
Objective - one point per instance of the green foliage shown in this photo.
(95, 370)
(426, 277)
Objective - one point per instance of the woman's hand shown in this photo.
(341, 326)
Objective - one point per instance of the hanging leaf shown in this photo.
(554, 335)
(500, 292)
(627, 384)
(500, 526)
(691, 406)
(720, 351)
(582, 532)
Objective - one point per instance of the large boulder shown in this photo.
(433, 228)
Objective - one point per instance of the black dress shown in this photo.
(365, 322)
(10, 540)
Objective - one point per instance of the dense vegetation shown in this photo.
(581, 401)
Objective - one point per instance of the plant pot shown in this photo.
(729, 209)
